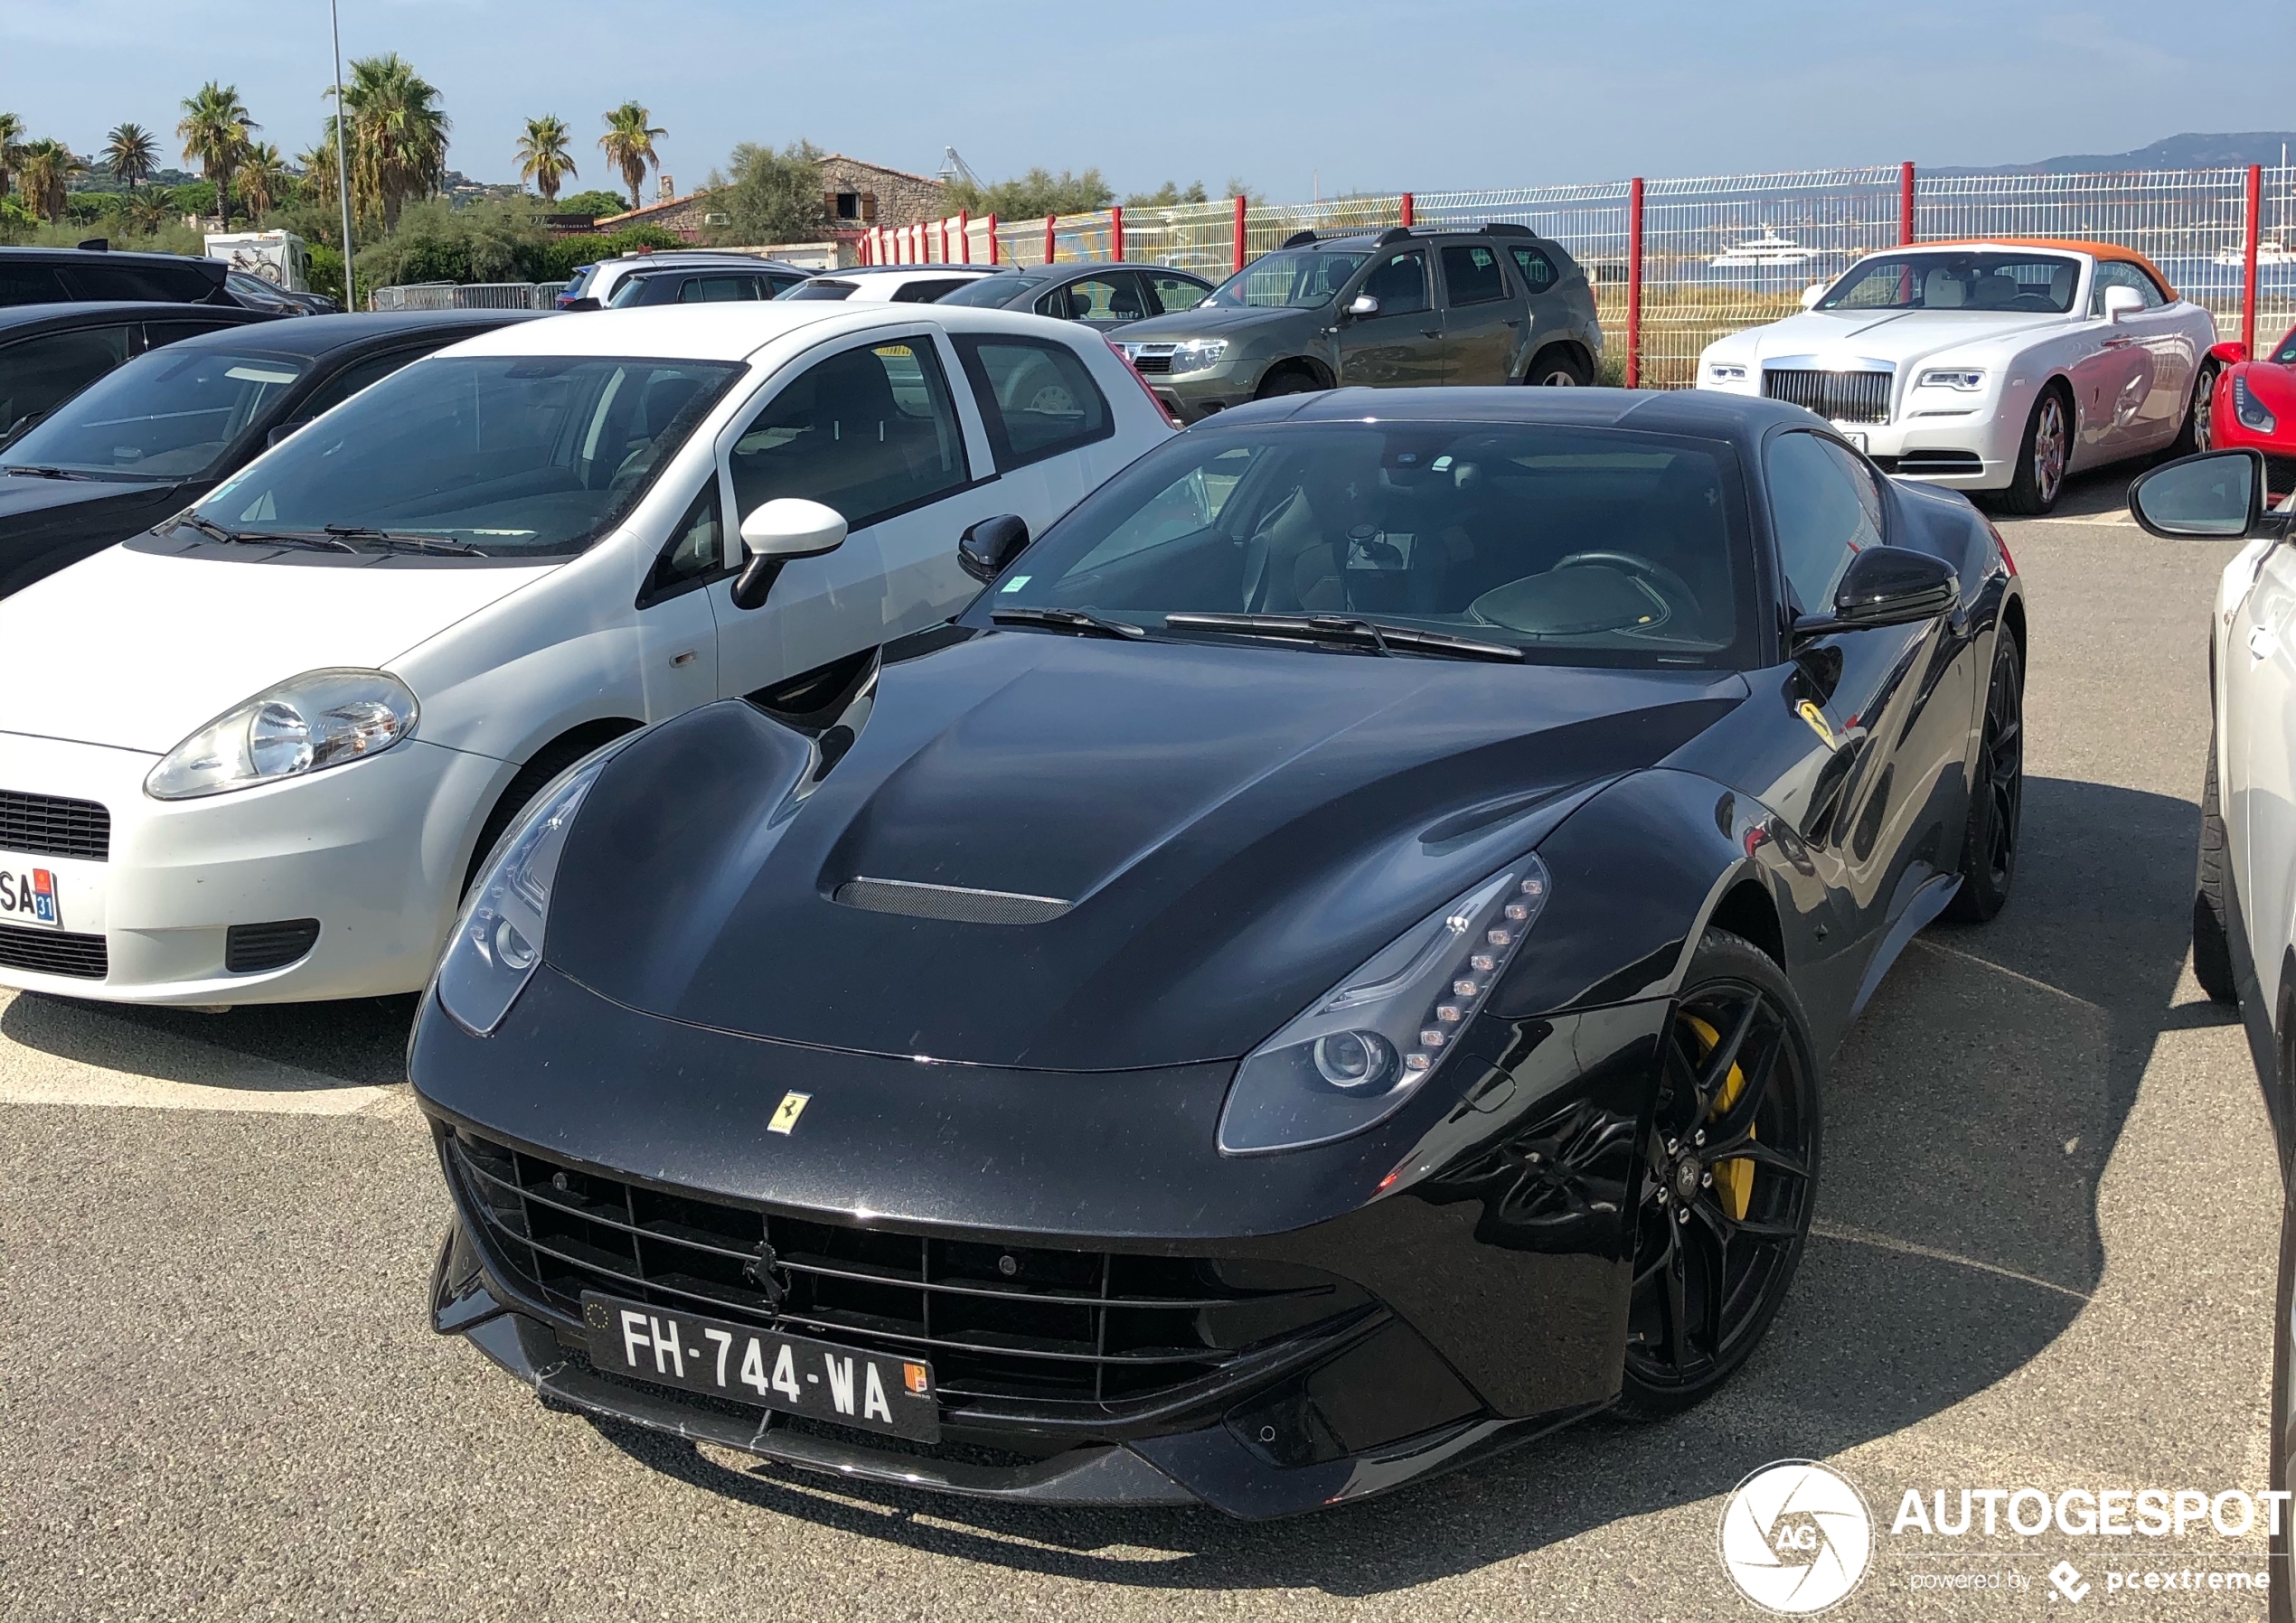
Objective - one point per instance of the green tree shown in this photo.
(263, 178)
(214, 132)
(1166, 196)
(131, 154)
(397, 140)
(628, 143)
(317, 163)
(1039, 192)
(146, 211)
(773, 196)
(543, 160)
(44, 177)
(10, 147)
(595, 202)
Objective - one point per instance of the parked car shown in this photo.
(1480, 304)
(299, 715)
(51, 351)
(1323, 971)
(889, 284)
(55, 276)
(718, 277)
(158, 433)
(1106, 296)
(2246, 402)
(1999, 366)
(257, 293)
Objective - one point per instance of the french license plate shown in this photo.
(28, 894)
(791, 1373)
(1856, 436)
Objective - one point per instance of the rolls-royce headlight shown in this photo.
(1965, 379)
(306, 724)
(1364, 1048)
(1197, 355)
(1726, 371)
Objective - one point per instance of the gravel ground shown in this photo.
(2045, 1259)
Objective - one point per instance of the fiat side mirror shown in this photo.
(1811, 295)
(984, 551)
(2217, 495)
(778, 533)
(1884, 585)
(2122, 301)
(1364, 304)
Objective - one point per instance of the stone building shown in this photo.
(855, 196)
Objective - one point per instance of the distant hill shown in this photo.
(2177, 152)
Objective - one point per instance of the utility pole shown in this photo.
(343, 158)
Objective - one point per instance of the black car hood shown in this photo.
(1232, 830)
(29, 497)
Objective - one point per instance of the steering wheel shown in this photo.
(1667, 581)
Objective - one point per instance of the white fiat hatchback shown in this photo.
(254, 755)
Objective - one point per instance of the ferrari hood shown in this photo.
(1051, 852)
(134, 649)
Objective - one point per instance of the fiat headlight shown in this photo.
(1197, 355)
(1369, 1044)
(498, 940)
(306, 724)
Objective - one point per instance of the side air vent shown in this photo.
(248, 949)
(951, 902)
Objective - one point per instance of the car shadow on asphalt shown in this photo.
(361, 1042)
(1971, 1114)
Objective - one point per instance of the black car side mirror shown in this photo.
(2217, 495)
(984, 551)
(1884, 585)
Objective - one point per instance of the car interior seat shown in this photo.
(1992, 292)
(1940, 289)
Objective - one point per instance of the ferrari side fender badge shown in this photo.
(1816, 717)
(785, 1113)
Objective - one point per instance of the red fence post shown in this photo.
(1634, 283)
(964, 234)
(993, 257)
(1116, 232)
(1048, 245)
(1239, 233)
(1407, 210)
(2253, 230)
(1904, 205)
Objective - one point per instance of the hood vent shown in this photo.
(952, 902)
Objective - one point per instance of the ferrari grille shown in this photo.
(1841, 397)
(1001, 1323)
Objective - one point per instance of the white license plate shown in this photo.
(28, 893)
(1856, 436)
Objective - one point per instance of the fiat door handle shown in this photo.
(678, 660)
(1516, 322)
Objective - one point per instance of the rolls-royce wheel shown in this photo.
(2040, 461)
(1556, 369)
(2194, 436)
(2211, 918)
(1726, 1182)
(1995, 793)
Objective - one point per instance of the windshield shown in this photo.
(2287, 356)
(512, 455)
(168, 415)
(820, 287)
(1299, 280)
(1947, 280)
(989, 293)
(1577, 545)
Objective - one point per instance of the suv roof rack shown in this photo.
(1298, 239)
(1500, 228)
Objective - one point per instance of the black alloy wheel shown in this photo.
(2048, 448)
(1996, 793)
(1727, 1181)
(1556, 369)
(2195, 435)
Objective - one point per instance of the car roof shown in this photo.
(733, 331)
(678, 259)
(312, 335)
(1084, 267)
(80, 313)
(2113, 251)
(905, 271)
(81, 255)
(1702, 413)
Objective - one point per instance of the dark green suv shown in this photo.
(1494, 304)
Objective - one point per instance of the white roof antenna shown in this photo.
(955, 168)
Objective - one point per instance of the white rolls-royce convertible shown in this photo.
(1997, 366)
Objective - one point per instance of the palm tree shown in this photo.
(398, 135)
(146, 211)
(318, 163)
(46, 177)
(10, 147)
(131, 154)
(214, 131)
(543, 157)
(263, 178)
(629, 146)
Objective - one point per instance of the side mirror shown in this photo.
(984, 551)
(282, 430)
(1885, 585)
(2217, 495)
(2122, 301)
(581, 304)
(1811, 295)
(777, 533)
(1364, 304)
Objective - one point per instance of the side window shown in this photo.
(1538, 273)
(924, 293)
(777, 286)
(353, 377)
(718, 290)
(694, 554)
(32, 285)
(1037, 397)
(871, 432)
(1399, 282)
(1174, 294)
(1824, 508)
(1471, 274)
(1104, 301)
(41, 373)
(119, 280)
(2117, 273)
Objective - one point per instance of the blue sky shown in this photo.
(1341, 95)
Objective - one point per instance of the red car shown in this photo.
(2253, 403)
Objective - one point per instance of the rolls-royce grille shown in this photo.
(1843, 397)
(48, 825)
(54, 952)
(1000, 1323)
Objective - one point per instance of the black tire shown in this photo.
(1996, 793)
(1738, 1074)
(1289, 378)
(2194, 436)
(1556, 368)
(2042, 454)
(2211, 917)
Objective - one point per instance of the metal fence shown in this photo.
(467, 295)
(1678, 263)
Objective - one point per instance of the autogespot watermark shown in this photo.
(1797, 1538)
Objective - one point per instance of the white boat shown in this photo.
(1768, 249)
(2267, 253)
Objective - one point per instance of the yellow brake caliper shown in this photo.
(1734, 1178)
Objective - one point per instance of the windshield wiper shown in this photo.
(397, 541)
(1068, 619)
(257, 538)
(1376, 634)
(39, 472)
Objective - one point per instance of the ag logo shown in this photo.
(1796, 1537)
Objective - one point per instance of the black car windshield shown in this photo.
(1299, 279)
(512, 455)
(1575, 546)
(168, 415)
(1946, 279)
(990, 293)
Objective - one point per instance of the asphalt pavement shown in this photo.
(2044, 1260)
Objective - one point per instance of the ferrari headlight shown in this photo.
(2252, 412)
(1197, 355)
(498, 940)
(1967, 381)
(306, 724)
(1367, 1044)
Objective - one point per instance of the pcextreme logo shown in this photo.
(1796, 1538)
